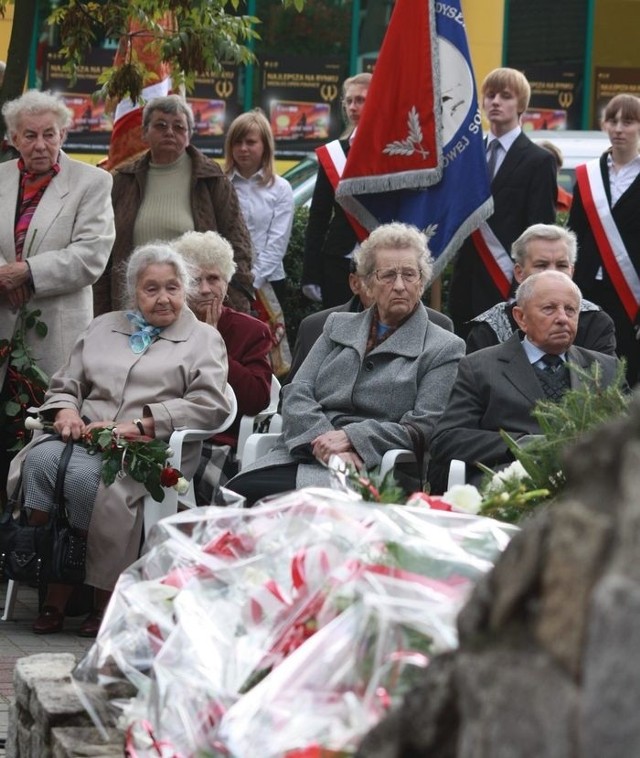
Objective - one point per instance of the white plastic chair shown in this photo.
(247, 423)
(458, 469)
(154, 511)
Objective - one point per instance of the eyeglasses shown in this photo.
(163, 126)
(389, 275)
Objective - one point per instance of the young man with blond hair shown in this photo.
(524, 189)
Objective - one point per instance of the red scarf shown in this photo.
(32, 188)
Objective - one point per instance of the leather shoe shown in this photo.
(50, 621)
(91, 625)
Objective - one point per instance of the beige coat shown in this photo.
(180, 380)
(68, 244)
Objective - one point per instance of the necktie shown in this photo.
(552, 362)
(493, 150)
(554, 377)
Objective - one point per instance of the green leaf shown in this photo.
(42, 329)
(11, 408)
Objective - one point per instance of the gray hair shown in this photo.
(206, 250)
(173, 104)
(394, 236)
(34, 103)
(549, 232)
(154, 253)
(526, 290)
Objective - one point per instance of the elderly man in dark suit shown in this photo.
(496, 388)
(311, 326)
(524, 190)
(543, 247)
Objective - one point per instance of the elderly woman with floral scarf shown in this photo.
(146, 371)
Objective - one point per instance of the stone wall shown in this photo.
(549, 657)
(47, 719)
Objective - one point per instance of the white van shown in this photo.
(576, 147)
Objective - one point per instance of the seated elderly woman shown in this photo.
(248, 343)
(147, 371)
(371, 381)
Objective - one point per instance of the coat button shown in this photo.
(368, 366)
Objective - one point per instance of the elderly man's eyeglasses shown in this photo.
(164, 126)
(389, 275)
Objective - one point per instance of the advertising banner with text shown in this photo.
(556, 97)
(301, 98)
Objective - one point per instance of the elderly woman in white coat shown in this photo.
(56, 233)
(147, 371)
(373, 380)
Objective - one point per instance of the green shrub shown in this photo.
(296, 306)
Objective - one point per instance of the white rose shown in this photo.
(182, 485)
(464, 498)
(514, 473)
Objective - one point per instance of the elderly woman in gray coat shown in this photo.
(372, 380)
(147, 371)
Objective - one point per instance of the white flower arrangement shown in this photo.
(464, 498)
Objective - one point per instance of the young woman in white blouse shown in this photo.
(266, 199)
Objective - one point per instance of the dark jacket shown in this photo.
(601, 291)
(329, 237)
(215, 207)
(524, 192)
(496, 389)
(595, 329)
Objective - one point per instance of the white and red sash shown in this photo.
(615, 257)
(495, 258)
(332, 159)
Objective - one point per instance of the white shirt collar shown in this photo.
(534, 353)
(505, 140)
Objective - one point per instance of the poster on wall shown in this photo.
(556, 98)
(215, 103)
(301, 99)
(610, 82)
(91, 125)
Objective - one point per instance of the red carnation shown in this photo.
(169, 476)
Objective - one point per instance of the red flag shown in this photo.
(126, 139)
(397, 144)
(418, 155)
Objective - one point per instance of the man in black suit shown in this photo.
(311, 326)
(496, 388)
(543, 247)
(524, 189)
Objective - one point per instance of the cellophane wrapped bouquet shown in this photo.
(286, 630)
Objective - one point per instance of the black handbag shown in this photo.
(52, 552)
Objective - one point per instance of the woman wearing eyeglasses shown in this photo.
(330, 239)
(171, 189)
(373, 380)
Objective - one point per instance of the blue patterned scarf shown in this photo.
(139, 341)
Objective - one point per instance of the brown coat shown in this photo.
(180, 380)
(215, 207)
